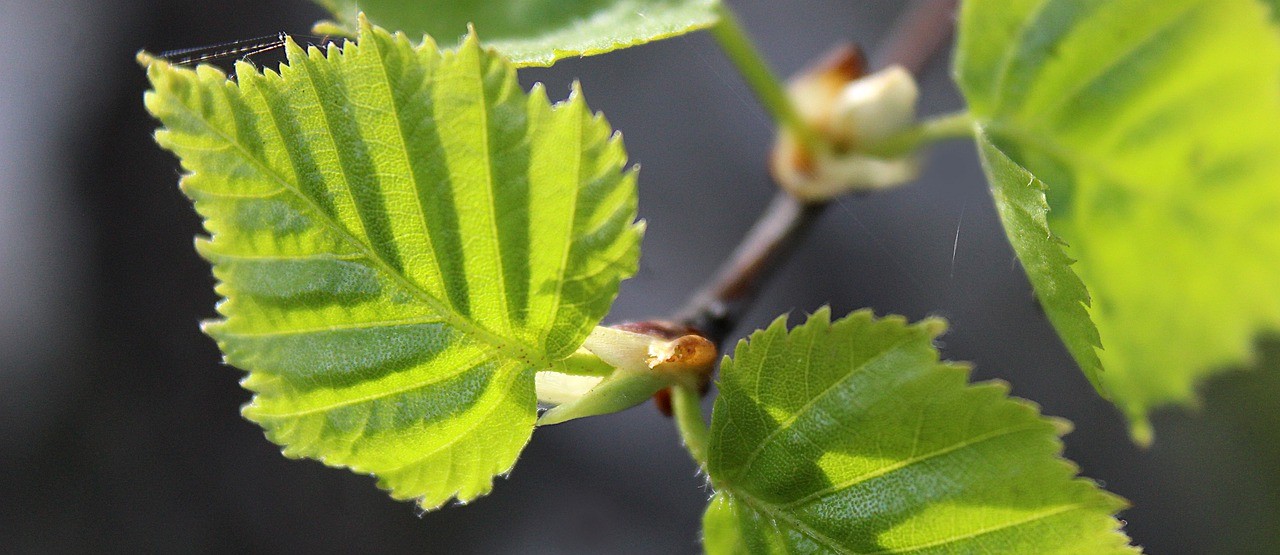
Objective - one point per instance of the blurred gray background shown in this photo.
(120, 432)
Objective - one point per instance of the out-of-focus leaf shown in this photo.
(535, 32)
(1144, 134)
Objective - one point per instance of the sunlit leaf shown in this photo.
(535, 32)
(1144, 134)
(851, 437)
(403, 238)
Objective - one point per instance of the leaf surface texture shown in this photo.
(403, 237)
(851, 437)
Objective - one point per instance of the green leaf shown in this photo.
(1143, 133)
(851, 437)
(403, 238)
(534, 32)
(1275, 9)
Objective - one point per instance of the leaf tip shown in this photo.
(249, 411)
(293, 50)
(246, 71)
(778, 325)
(160, 136)
(935, 326)
(538, 94)
(156, 67)
(204, 248)
(472, 40)
(145, 59)
(1140, 431)
(577, 97)
(1061, 426)
(213, 329)
(819, 322)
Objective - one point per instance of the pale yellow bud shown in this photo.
(851, 118)
(876, 107)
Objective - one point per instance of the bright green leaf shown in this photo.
(851, 437)
(534, 32)
(1144, 134)
(403, 238)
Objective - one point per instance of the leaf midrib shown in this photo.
(495, 235)
(853, 482)
(511, 348)
(569, 223)
(778, 513)
(774, 513)
(1006, 60)
(1123, 56)
(346, 326)
(1005, 120)
(409, 160)
(785, 425)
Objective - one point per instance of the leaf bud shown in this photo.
(647, 358)
(851, 112)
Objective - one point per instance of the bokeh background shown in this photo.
(120, 432)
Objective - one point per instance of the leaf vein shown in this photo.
(783, 426)
(338, 327)
(852, 482)
(1124, 56)
(403, 148)
(452, 318)
(432, 380)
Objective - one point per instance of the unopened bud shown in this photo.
(646, 358)
(815, 92)
(851, 112)
(877, 106)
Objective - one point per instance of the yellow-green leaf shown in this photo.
(403, 237)
(1144, 134)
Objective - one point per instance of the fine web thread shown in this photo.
(238, 48)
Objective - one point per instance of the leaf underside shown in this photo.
(851, 437)
(536, 32)
(1143, 133)
(403, 237)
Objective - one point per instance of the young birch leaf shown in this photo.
(534, 32)
(851, 437)
(1144, 134)
(403, 237)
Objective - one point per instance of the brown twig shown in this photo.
(716, 308)
(918, 36)
(923, 31)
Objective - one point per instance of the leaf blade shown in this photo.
(360, 203)
(537, 32)
(851, 437)
(1144, 125)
